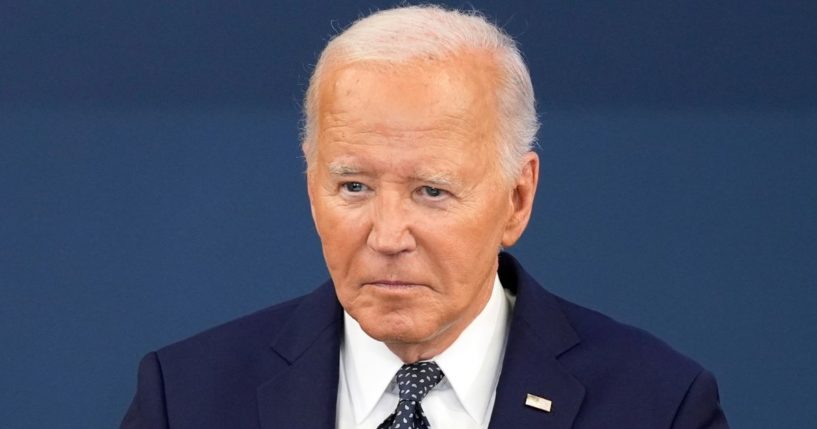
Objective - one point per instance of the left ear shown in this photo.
(522, 200)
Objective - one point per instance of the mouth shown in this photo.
(393, 285)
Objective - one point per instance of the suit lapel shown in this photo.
(303, 392)
(539, 333)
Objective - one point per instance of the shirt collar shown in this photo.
(471, 364)
(369, 367)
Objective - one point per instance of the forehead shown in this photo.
(447, 100)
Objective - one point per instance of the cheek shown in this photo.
(331, 219)
(342, 232)
(470, 240)
(477, 229)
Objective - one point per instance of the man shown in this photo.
(418, 135)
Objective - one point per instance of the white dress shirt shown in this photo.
(367, 393)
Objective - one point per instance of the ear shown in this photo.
(522, 200)
(310, 183)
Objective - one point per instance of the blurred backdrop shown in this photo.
(151, 183)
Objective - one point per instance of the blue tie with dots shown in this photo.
(414, 381)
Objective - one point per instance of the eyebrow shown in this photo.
(437, 179)
(338, 169)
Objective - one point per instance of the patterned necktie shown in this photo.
(414, 381)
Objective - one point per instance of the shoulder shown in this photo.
(593, 344)
(626, 348)
(629, 377)
(247, 344)
(213, 376)
(624, 367)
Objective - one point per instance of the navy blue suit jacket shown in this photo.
(278, 368)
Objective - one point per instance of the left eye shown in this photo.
(353, 187)
(432, 192)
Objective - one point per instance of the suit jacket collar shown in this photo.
(303, 391)
(539, 334)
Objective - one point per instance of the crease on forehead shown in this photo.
(440, 132)
(344, 118)
(354, 126)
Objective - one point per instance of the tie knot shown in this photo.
(415, 380)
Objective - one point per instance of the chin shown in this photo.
(391, 329)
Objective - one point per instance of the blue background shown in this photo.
(151, 183)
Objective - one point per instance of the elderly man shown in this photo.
(419, 127)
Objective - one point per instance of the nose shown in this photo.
(391, 232)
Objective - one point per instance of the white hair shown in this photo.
(399, 35)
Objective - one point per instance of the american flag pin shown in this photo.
(538, 402)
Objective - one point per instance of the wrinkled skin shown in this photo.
(408, 198)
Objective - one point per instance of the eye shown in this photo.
(432, 192)
(353, 187)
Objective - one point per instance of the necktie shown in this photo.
(414, 381)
